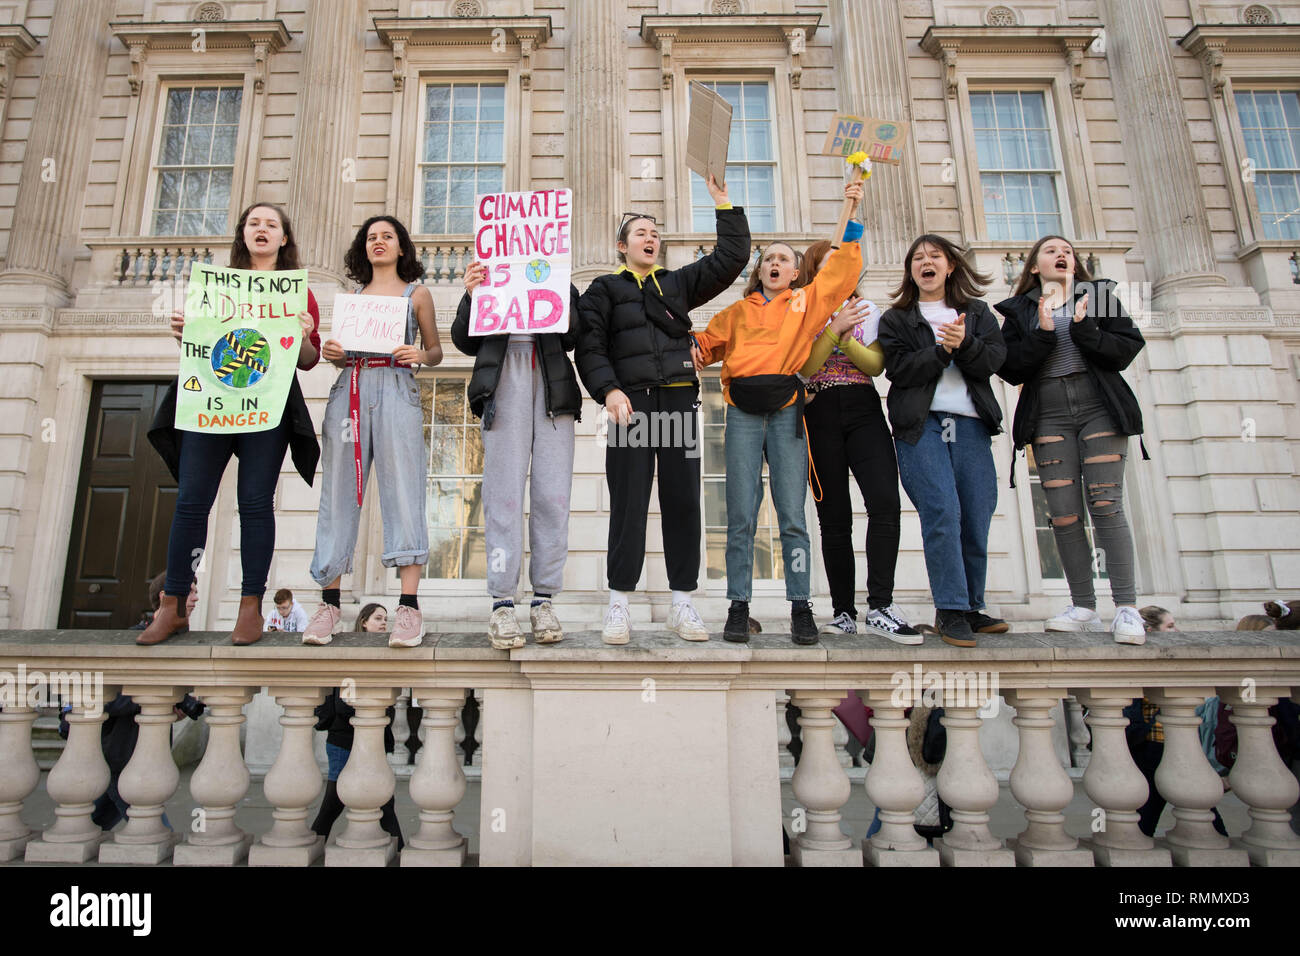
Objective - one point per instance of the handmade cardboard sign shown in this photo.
(525, 241)
(369, 323)
(708, 132)
(881, 140)
(239, 348)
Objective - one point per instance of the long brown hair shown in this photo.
(1028, 278)
(756, 280)
(286, 256)
(812, 258)
(959, 288)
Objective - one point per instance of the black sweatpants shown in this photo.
(664, 429)
(847, 433)
(1147, 754)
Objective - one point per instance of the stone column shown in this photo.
(43, 239)
(320, 191)
(1262, 781)
(1116, 785)
(968, 786)
(75, 782)
(219, 784)
(292, 784)
(895, 786)
(871, 80)
(364, 786)
(1042, 786)
(820, 785)
(147, 782)
(1191, 786)
(597, 150)
(19, 775)
(400, 758)
(438, 784)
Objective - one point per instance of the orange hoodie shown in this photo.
(759, 337)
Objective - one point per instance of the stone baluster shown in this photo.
(400, 756)
(840, 738)
(147, 782)
(1076, 731)
(19, 775)
(1186, 779)
(1042, 786)
(292, 783)
(438, 784)
(820, 785)
(365, 785)
(1115, 784)
(219, 784)
(783, 736)
(895, 786)
(1261, 781)
(75, 783)
(968, 786)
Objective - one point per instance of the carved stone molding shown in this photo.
(1213, 43)
(261, 37)
(524, 33)
(791, 30)
(15, 43)
(26, 320)
(947, 43)
(107, 323)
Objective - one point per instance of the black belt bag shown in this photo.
(765, 394)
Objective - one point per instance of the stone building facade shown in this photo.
(1162, 135)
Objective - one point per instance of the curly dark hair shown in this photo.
(357, 264)
(963, 285)
(286, 258)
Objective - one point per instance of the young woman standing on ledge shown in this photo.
(1068, 338)
(374, 415)
(263, 241)
(942, 345)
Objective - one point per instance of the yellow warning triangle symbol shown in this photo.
(193, 384)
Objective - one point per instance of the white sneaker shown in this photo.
(843, 624)
(1128, 627)
(546, 626)
(503, 629)
(685, 622)
(890, 623)
(617, 629)
(1076, 619)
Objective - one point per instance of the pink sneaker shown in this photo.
(323, 624)
(408, 627)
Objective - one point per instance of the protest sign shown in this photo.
(708, 132)
(369, 323)
(881, 140)
(525, 242)
(239, 348)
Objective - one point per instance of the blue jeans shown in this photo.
(949, 476)
(748, 437)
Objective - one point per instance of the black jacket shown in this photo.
(914, 363)
(335, 718)
(1106, 338)
(562, 395)
(637, 334)
(303, 445)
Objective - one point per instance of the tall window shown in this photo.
(1049, 559)
(768, 564)
(1270, 125)
(463, 152)
(1019, 169)
(751, 159)
(455, 488)
(196, 160)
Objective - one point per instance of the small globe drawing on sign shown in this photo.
(537, 270)
(886, 131)
(241, 357)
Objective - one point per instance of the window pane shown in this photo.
(491, 142)
(178, 107)
(191, 223)
(204, 110)
(164, 223)
(464, 102)
(1040, 149)
(228, 105)
(462, 186)
(223, 144)
(436, 137)
(1291, 109)
(438, 103)
(981, 108)
(198, 147)
(219, 191)
(1015, 154)
(1006, 107)
(1270, 109)
(173, 151)
(1246, 109)
(755, 101)
(492, 106)
(758, 141)
(169, 189)
(1035, 110)
(987, 150)
(994, 194)
(731, 93)
(194, 188)
(490, 179)
(449, 402)
(1044, 193)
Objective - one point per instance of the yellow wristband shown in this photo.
(725, 205)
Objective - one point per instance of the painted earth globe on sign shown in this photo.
(537, 270)
(240, 358)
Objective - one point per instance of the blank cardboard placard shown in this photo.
(881, 140)
(708, 133)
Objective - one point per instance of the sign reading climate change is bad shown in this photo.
(239, 348)
(524, 240)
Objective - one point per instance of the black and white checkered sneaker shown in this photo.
(889, 622)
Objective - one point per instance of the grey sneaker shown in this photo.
(843, 624)
(503, 629)
(546, 626)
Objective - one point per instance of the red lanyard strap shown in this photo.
(354, 407)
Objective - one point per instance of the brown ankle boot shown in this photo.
(248, 625)
(168, 620)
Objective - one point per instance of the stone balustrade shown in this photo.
(657, 752)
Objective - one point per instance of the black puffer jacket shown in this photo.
(636, 334)
(1106, 338)
(914, 362)
(335, 715)
(562, 395)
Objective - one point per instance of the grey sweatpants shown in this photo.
(521, 429)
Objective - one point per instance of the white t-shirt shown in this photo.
(951, 395)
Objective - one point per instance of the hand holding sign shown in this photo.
(369, 323)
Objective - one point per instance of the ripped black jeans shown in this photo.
(1076, 443)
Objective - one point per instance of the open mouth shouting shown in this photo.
(1061, 263)
(928, 272)
(774, 274)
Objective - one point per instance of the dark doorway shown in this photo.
(125, 500)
